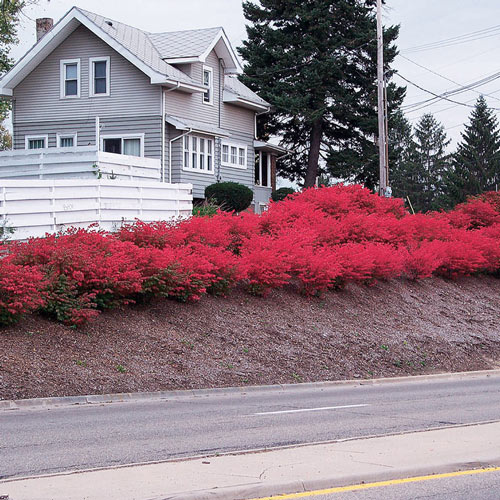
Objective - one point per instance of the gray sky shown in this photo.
(422, 22)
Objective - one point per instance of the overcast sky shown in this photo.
(422, 22)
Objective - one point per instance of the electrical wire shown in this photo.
(445, 77)
(449, 42)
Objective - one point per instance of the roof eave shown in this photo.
(232, 98)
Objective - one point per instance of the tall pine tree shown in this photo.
(476, 163)
(315, 62)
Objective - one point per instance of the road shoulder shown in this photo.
(290, 470)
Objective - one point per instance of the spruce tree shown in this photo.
(432, 161)
(404, 176)
(476, 163)
(315, 62)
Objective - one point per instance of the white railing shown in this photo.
(80, 162)
(36, 207)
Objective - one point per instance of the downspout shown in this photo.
(163, 133)
(170, 153)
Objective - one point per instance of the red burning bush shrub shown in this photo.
(19, 291)
(316, 240)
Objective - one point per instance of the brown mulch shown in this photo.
(389, 329)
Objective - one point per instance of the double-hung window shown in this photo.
(234, 155)
(36, 142)
(198, 154)
(70, 78)
(208, 83)
(99, 76)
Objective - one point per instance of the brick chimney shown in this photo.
(43, 26)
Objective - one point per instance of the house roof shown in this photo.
(138, 42)
(152, 53)
(181, 44)
(237, 92)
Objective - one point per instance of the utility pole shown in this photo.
(382, 139)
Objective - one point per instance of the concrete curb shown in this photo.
(41, 403)
(301, 486)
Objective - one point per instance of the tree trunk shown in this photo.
(313, 159)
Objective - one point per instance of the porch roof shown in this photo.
(267, 147)
(195, 126)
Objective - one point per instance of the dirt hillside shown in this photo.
(388, 329)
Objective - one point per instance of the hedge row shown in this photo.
(316, 240)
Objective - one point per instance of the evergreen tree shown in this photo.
(404, 175)
(476, 163)
(315, 62)
(432, 161)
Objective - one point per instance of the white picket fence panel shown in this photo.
(84, 162)
(36, 207)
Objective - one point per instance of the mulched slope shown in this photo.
(388, 329)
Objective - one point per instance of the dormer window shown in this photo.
(99, 76)
(70, 78)
(208, 83)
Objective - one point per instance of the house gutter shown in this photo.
(170, 154)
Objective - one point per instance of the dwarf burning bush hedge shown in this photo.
(318, 240)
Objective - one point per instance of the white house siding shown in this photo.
(150, 126)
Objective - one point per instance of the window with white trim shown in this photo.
(70, 78)
(66, 140)
(99, 76)
(208, 83)
(131, 145)
(198, 154)
(36, 142)
(234, 155)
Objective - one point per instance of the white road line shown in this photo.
(310, 409)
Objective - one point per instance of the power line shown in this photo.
(444, 77)
(448, 42)
(446, 95)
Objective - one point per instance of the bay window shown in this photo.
(198, 154)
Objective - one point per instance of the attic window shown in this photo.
(70, 78)
(208, 83)
(99, 76)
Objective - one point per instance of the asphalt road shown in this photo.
(477, 487)
(70, 438)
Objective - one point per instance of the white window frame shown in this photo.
(269, 163)
(29, 138)
(93, 60)
(73, 135)
(124, 136)
(198, 153)
(62, 71)
(238, 147)
(210, 86)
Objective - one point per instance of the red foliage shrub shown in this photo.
(315, 240)
(19, 291)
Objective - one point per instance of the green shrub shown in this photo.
(230, 195)
(281, 193)
(207, 208)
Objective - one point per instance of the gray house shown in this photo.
(168, 103)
